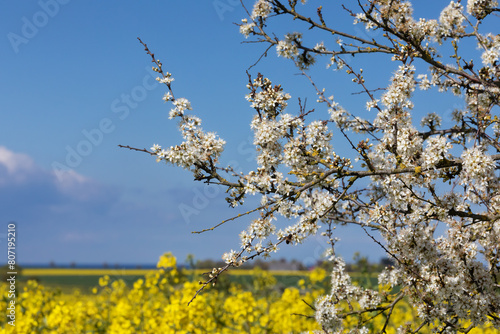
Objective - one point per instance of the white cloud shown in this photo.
(18, 166)
(24, 183)
(19, 170)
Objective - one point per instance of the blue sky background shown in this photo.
(75, 70)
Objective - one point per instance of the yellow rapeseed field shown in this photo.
(159, 304)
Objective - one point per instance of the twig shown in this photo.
(137, 149)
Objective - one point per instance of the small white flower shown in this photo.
(155, 148)
(167, 97)
(167, 79)
(490, 56)
(371, 104)
(424, 83)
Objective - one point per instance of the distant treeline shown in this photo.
(359, 264)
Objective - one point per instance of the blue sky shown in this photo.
(76, 83)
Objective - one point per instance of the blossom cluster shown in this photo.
(198, 147)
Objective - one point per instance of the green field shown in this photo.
(69, 279)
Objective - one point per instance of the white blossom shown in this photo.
(262, 8)
(246, 28)
(424, 83)
(451, 19)
(436, 150)
(287, 48)
(481, 8)
(167, 97)
(490, 56)
(167, 79)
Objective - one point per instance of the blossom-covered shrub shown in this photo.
(400, 180)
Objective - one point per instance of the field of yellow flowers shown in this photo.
(159, 304)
